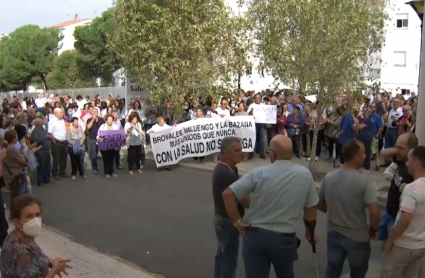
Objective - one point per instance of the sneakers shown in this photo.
(140, 171)
(131, 172)
(316, 158)
(73, 178)
(114, 175)
(107, 176)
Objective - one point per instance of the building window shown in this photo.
(399, 58)
(402, 21)
(405, 92)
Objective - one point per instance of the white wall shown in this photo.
(68, 35)
(396, 72)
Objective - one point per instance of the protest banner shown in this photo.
(200, 137)
(265, 114)
(111, 139)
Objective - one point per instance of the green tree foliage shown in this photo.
(321, 45)
(94, 58)
(66, 74)
(177, 49)
(28, 52)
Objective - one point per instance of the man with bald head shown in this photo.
(282, 190)
(398, 155)
(57, 133)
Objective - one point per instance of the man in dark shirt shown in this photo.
(93, 125)
(39, 135)
(225, 173)
(404, 144)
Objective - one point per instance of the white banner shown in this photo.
(265, 114)
(200, 137)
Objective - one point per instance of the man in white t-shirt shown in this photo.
(405, 248)
(260, 130)
(80, 102)
(40, 101)
(223, 110)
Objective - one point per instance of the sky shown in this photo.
(45, 13)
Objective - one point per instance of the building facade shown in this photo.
(67, 30)
(401, 52)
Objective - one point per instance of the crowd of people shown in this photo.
(41, 134)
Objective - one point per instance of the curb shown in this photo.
(93, 248)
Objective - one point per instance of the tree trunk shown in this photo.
(43, 78)
(313, 165)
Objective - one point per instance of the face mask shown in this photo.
(32, 228)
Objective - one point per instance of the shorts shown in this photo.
(375, 146)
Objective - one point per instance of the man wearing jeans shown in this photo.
(405, 248)
(345, 195)
(225, 173)
(282, 190)
(93, 125)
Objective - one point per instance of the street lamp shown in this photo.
(418, 6)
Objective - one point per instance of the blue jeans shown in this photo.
(226, 257)
(44, 166)
(385, 227)
(260, 250)
(341, 248)
(94, 151)
(390, 137)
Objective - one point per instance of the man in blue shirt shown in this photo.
(378, 127)
(346, 129)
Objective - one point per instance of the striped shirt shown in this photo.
(281, 191)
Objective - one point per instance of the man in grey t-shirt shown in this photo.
(346, 195)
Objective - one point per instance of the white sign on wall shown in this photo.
(134, 91)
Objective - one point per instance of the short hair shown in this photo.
(79, 97)
(21, 202)
(227, 142)
(108, 116)
(296, 107)
(412, 141)
(418, 153)
(160, 118)
(21, 131)
(10, 135)
(350, 150)
(73, 119)
(132, 116)
(37, 120)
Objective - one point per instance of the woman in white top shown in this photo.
(135, 139)
(108, 156)
(137, 107)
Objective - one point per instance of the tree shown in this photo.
(94, 57)
(177, 49)
(66, 74)
(27, 52)
(322, 45)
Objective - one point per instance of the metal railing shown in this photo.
(91, 92)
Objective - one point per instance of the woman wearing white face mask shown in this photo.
(20, 254)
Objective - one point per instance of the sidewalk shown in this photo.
(86, 262)
(373, 272)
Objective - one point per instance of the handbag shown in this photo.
(20, 181)
(77, 148)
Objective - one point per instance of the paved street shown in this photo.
(161, 221)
